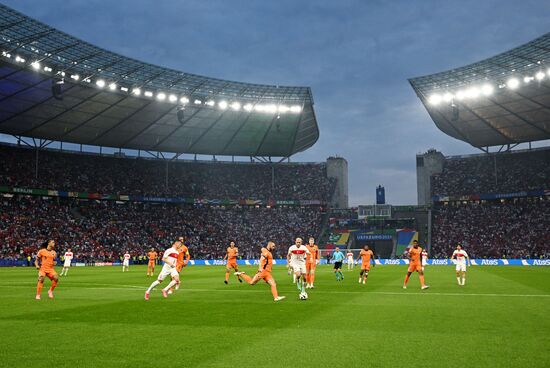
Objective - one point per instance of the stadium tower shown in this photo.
(494, 105)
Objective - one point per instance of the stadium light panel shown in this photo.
(172, 98)
(259, 108)
(460, 95)
(236, 106)
(513, 83)
(540, 76)
(222, 105)
(100, 83)
(248, 107)
(35, 65)
(136, 91)
(527, 79)
(148, 94)
(447, 97)
(47, 69)
(435, 99)
(124, 89)
(198, 102)
(210, 103)
(487, 90)
(184, 100)
(161, 96)
(296, 109)
(271, 108)
(19, 59)
(112, 86)
(74, 76)
(283, 108)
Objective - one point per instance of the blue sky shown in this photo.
(355, 55)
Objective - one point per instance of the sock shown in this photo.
(303, 286)
(463, 281)
(406, 280)
(293, 277)
(66, 271)
(312, 278)
(178, 285)
(155, 283)
(458, 279)
(169, 286)
(247, 278)
(421, 277)
(299, 283)
(274, 291)
(227, 276)
(39, 288)
(54, 284)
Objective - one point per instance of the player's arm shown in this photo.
(468, 258)
(187, 257)
(372, 259)
(36, 262)
(287, 257)
(226, 255)
(453, 256)
(166, 259)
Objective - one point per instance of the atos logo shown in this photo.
(489, 262)
(217, 262)
(440, 261)
(541, 262)
(392, 262)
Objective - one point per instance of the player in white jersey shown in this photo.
(67, 258)
(351, 262)
(296, 258)
(170, 259)
(461, 256)
(424, 258)
(126, 262)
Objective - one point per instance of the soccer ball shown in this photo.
(303, 295)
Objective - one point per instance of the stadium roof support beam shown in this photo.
(275, 117)
(207, 130)
(176, 129)
(541, 129)
(487, 123)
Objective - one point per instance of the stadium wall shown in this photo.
(337, 167)
(427, 164)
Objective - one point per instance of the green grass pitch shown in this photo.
(100, 319)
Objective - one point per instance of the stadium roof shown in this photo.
(502, 100)
(115, 101)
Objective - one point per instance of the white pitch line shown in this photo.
(258, 290)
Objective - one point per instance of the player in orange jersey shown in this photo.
(366, 255)
(264, 271)
(311, 262)
(231, 257)
(152, 255)
(183, 259)
(46, 256)
(415, 264)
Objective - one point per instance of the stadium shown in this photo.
(160, 205)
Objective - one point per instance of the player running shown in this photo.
(126, 262)
(67, 258)
(461, 257)
(338, 259)
(170, 259)
(424, 259)
(152, 255)
(183, 259)
(349, 256)
(296, 257)
(264, 271)
(46, 256)
(231, 256)
(414, 265)
(311, 262)
(366, 255)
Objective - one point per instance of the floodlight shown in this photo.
(161, 96)
(435, 99)
(112, 86)
(100, 83)
(487, 90)
(136, 91)
(222, 105)
(513, 83)
(236, 106)
(539, 76)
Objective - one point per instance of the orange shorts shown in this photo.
(415, 267)
(266, 276)
(151, 263)
(310, 266)
(179, 267)
(47, 273)
(231, 264)
(365, 267)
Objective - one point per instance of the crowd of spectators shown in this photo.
(516, 228)
(494, 173)
(104, 230)
(163, 178)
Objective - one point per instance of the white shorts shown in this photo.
(461, 267)
(424, 262)
(167, 271)
(298, 267)
(67, 264)
(350, 260)
(126, 263)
